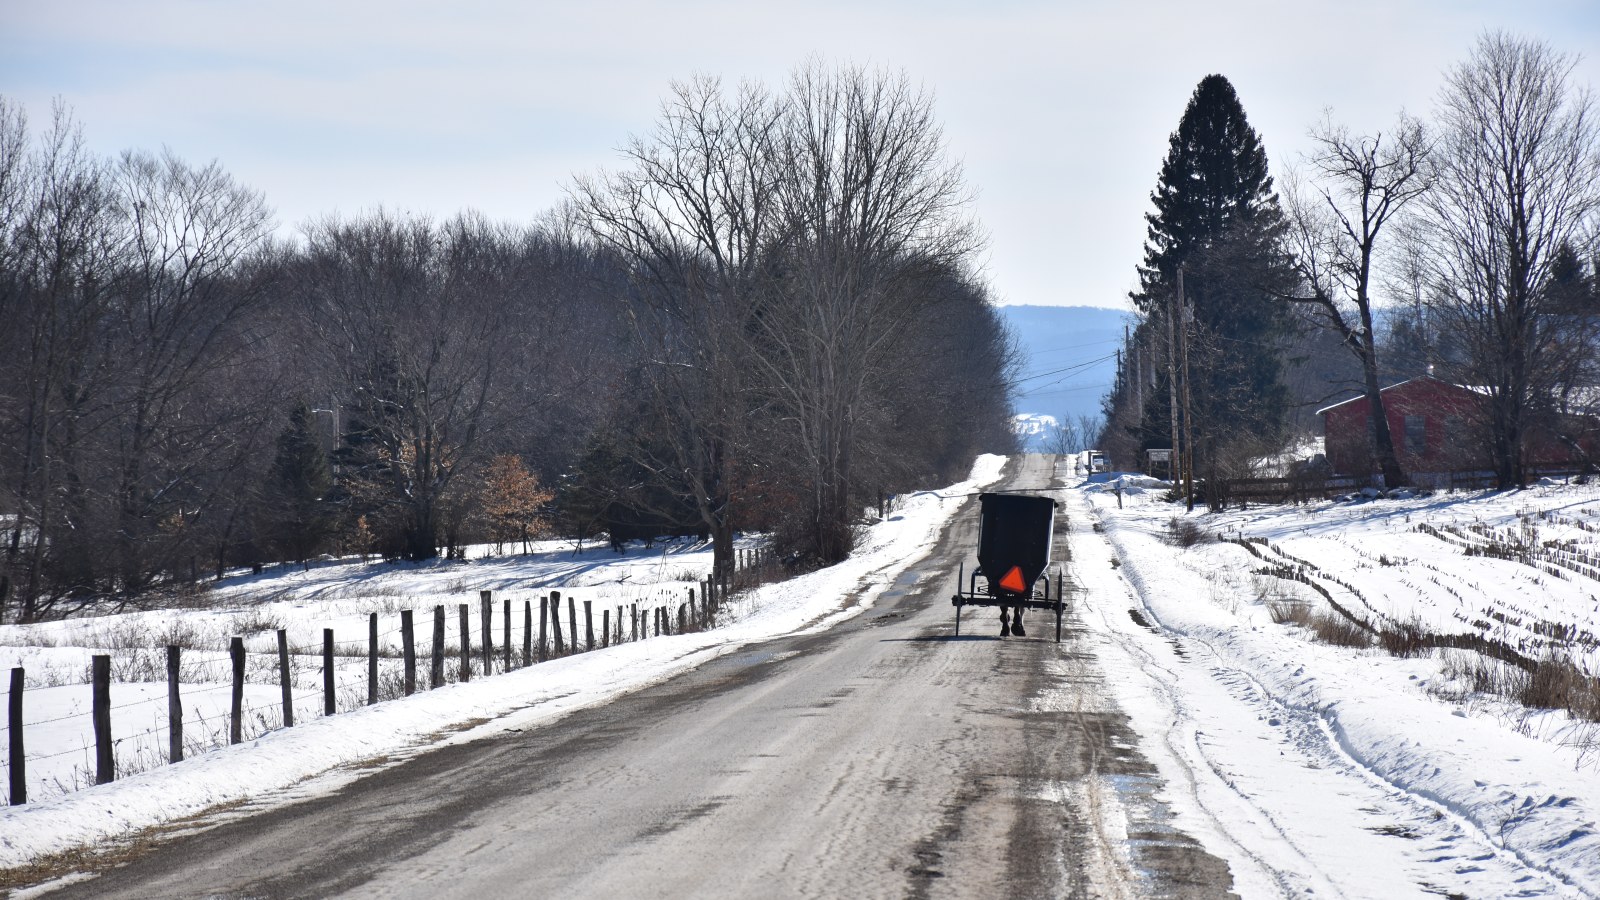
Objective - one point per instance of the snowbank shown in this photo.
(1526, 785)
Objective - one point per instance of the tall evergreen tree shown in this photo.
(1217, 218)
(298, 485)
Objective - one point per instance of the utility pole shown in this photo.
(1172, 381)
(1136, 357)
(1188, 417)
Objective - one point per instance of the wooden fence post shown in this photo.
(506, 636)
(328, 706)
(588, 625)
(693, 611)
(617, 639)
(572, 621)
(436, 664)
(683, 621)
(655, 618)
(372, 658)
(105, 766)
(236, 710)
(527, 633)
(408, 649)
(544, 616)
(283, 678)
(555, 621)
(174, 707)
(605, 627)
(486, 607)
(466, 646)
(17, 757)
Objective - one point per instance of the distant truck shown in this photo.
(1095, 460)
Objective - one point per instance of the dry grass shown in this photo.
(1187, 533)
(1556, 683)
(1332, 628)
(255, 621)
(1405, 639)
(1327, 627)
(1290, 612)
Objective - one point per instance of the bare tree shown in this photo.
(420, 323)
(876, 213)
(941, 398)
(1359, 183)
(151, 350)
(1063, 437)
(61, 234)
(127, 287)
(1519, 155)
(186, 283)
(692, 217)
(1073, 434)
(785, 253)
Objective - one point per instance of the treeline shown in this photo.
(711, 339)
(1465, 247)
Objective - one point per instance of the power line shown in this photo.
(1115, 340)
(1071, 390)
(1071, 368)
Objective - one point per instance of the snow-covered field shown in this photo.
(65, 810)
(1322, 769)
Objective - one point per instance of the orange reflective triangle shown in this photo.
(1013, 581)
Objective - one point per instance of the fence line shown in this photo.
(663, 617)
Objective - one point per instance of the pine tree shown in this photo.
(297, 487)
(1217, 218)
(1572, 291)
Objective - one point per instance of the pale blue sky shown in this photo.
(1060, 111)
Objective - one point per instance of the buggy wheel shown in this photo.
(958, 620)
(1059, 605)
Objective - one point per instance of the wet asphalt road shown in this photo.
(884, 757)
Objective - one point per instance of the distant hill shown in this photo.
(1070, 357)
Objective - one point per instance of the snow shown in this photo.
(1030, 425)
(1329, 770)
(276, 765)
(1313, 769)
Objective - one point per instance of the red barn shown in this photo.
(1431, 422)
(1437, 427)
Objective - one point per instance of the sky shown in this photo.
(1059, 112)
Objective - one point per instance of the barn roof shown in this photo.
(1400, 384)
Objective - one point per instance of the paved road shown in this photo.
(882, 758)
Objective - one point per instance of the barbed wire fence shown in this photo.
(396, 658)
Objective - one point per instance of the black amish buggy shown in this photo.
(1015, 532)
